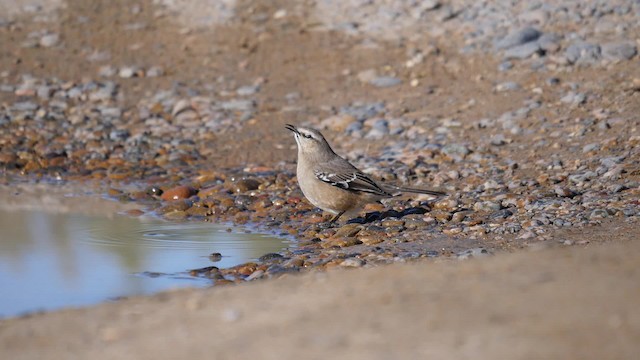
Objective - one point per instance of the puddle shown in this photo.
(50, 261)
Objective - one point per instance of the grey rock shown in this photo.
(128, 72)
(552, 81)
(237, 104)
(154, 71)
(49, 40)
(590, 148)
(428, 5)
(498, 140)
(582, 177)
(363, 111)
(456, 150)
(44, 92)
(549, 42)
(582, 52)
(599, 214)
(523, 51)
(119, 135)
(574, 98)
(352, 262)
(247, 90)
(25, 106)
(507, 86)
(517, 38)
(473, 253)
(619, 50)
(7, 88)
(379, 129)
(385, 81)
(505, 65)
(107, 71)
(486, 206)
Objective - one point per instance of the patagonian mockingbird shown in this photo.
(331, 183)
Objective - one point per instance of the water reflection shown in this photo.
(49, 261)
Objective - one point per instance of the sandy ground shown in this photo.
(577, 302)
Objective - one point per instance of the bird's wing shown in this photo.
(342, 174)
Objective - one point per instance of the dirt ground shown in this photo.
(576, 302)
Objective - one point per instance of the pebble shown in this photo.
(518, 38)
(523, 51)
(178, 193)
(128, 72)
(385, 81)
(619, 51)
(352, 263)
(50, 40)
(507, 86)
(473, 253)
(582, 52)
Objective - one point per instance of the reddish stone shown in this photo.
(178, 193)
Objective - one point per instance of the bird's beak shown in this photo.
(291, 128)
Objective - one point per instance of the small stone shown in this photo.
(505, 65)
(582, 52)
(247, 90)
(599, 214)
(255, 275)
(523, 51)
(371, 239)
(619, 51)
(244, 185)
(128, 72)
(518, 37)
(473, 253)
(107, 71)
(154, 71)
(352, 262)
(574, 98)
(590, 147)
(507, 86)
(348, 230)
(564, 192)
(49, 40)
(385, 81)
(238, 105)
(215, 257)
(486, 206)
(178, 192)
(270, 256)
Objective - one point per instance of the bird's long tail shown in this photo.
(395, 189)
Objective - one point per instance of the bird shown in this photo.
(332, 183)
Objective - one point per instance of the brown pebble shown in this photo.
(247, 269)
(178, 193)
(371, 240)
(348, 230)
(244, 185)
(340, 242)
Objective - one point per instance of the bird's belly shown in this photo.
(327, 197)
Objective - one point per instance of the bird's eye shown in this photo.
(307, 136)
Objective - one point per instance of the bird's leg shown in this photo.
(335, 218)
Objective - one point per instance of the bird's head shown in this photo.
(310, 141)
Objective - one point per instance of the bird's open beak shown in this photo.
(291, 128)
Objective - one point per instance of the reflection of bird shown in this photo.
(331, 183)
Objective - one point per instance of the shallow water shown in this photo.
(50, 261)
